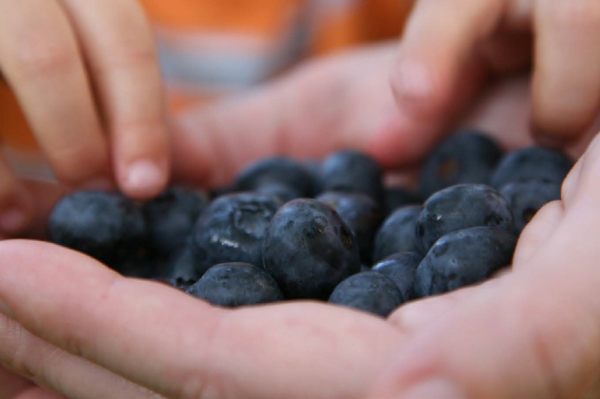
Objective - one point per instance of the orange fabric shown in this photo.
(362, 21)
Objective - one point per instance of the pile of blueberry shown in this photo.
(327, 231)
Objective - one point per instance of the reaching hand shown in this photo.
(450, 49)
(83, 71)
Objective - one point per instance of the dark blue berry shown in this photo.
(467, 156)
(276, 170)
(281, 192)
(526, 198)
(463, 258)
(361, 213)
(397, 234)
(352, 171)
(309, 249)
(171, 218)
(531, 163)
(396, 197)
(460, 207)
(401, 269)
(236, 284)
(182, 266)
(102, 225)
(232, 229)
(368, 291)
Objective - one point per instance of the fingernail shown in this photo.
(434, 389)
(413, 80)
(143, 176)
(13, 220)
(5, 310)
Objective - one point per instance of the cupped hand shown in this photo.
(87, 78)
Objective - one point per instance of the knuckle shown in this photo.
(36, 56)
(135, 57)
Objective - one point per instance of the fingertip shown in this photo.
(144, 178)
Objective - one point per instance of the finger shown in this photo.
(176, 345)
(16, 209)
(437, 72)
(535, 335)
(51, 367)
(566, 87)
(119, 45)
(40, 58)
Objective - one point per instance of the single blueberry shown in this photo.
(352, 171)
(236, 284)
(181, 266)
(276, 170)
(396, 197)
(232, 229)
(463, 258)
(531, 163)
(361, 213)
(401, 268)
(397, 233)
(102, 225)
(309, 249)
(527, 197)
(171, 217)
(468, 156)
(460, 207)
(368, 291)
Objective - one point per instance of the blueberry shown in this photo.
(467, 156)
(232, 229)
(352, 171)
(136, 261)
(460, 207)
(102, 225)
(281, 192)
(526, 198)
(397, 234)
(368, 291)
(221, 191)
(276, 170)
(182, 266)
(171, 218)
(181, 285)
(531, 163)
(396, 197)
(309, 249)
(236, 284)
(462, 258)
(401, 268)
(361, 213)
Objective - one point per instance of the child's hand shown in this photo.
(87, 78)
(451, 47)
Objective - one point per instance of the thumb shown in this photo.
(535, 334)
